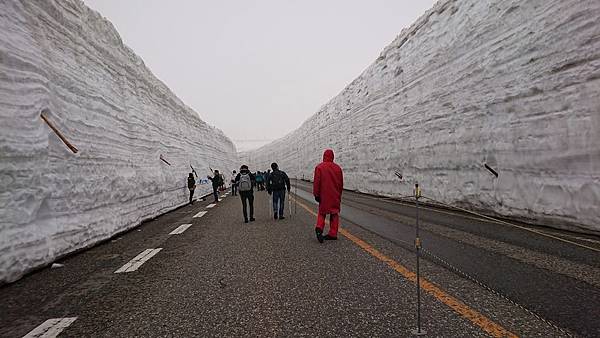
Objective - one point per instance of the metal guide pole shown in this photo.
(418, 331)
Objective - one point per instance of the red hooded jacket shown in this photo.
(328, 184)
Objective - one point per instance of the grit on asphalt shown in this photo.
(222, 277)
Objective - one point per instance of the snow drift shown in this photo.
(63, 56)
(514, 84)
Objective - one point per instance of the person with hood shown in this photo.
(327, 189)
(233, 184)
(216, 183)
(276, 184)
(245, 181)
(191, 186)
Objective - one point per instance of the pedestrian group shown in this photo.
(328, 184)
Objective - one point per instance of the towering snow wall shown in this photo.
(62, 56)
(514, 84)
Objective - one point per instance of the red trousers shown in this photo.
(334, 223)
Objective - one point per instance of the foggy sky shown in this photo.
(258, 69)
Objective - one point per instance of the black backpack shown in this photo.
(278, 181)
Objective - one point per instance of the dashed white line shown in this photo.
(180, 229)
(200, 214)
(51, 328)
(212, 205)
(138, 260)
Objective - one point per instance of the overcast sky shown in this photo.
(258, 69)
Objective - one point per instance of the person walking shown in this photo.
(216, 183)
(191, 186)
(259, 181)
(328, 183)
(246, 181)
(278, 180)
(233, 183)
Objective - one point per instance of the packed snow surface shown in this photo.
(64, 57)
(512, 84)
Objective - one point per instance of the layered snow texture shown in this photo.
(514, 84)
(63, 56)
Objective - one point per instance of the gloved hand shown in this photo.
(318, 199)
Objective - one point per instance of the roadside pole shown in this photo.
(418, 331)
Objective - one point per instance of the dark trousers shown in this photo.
(278, 197)
(233, 189)
(191, 195)
(216, 193)
(247, 196)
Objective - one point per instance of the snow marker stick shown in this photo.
(491, 170)
(57, 132)
(194, 171)
(163, 159)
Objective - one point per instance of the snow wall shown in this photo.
(514, 84)
(65, 57)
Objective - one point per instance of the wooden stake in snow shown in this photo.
(494, 172)
(56, 131)
(163, 159)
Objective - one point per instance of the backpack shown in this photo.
(245, 182)
(278, 182)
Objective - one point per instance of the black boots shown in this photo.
(319, 235)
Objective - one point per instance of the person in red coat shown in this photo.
(327, 189)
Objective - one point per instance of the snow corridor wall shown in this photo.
(514, 84)
(63, 56)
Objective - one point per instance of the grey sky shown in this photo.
(258, 69)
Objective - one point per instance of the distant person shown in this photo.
(327, 189)
(222, 182)
(278, 180)
(233, 184)
(216, 183)
(259, 181)
(191, 186)
(245, 181)
(267, 175)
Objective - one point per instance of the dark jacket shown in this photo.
(191, 182)
(217, 181)
(278, 180)
(328, 184)
(252, 180)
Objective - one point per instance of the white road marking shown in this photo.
(220, 199)
(200, 214)
(50, 328)
(212, 205)
(180, 229)
(138, 260)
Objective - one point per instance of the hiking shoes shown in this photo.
(319, 235)
(275, 216)
(281, 217)
(329, 238)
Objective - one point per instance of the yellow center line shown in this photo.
(459, 307)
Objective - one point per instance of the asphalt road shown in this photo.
(222, 277)
(555, 274)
